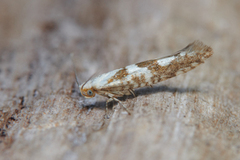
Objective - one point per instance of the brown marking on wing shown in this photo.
(143, 79)
(181, 63)
(146, 84)
(119, 75)
(124, 89)
(145, 63)
(139, 79)
(136, 80)
(131, 86)
(197, 46)
(110, 80)
(116, 91)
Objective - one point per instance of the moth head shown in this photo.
(87, 90)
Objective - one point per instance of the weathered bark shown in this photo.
(192, 116)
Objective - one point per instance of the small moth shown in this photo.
(122, 81)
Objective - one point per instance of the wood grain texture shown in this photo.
(192, 116)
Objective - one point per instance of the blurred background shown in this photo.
(37, 80)
(40, 35)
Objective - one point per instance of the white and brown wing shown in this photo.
(121, 81)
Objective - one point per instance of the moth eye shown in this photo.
(89, 92)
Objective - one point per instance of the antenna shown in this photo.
(87, 80)
(74, 69)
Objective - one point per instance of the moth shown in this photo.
(123, 81)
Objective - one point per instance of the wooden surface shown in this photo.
(192, 116)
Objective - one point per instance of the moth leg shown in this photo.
(107, 111)
(121, 105)
(132, 92)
